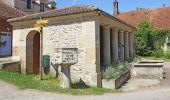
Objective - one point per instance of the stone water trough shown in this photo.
(10, 64)
(152, 68)
(117, 82)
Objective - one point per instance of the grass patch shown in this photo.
(49, 84)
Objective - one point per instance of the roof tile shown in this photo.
(159, 17)
(6, 11)
(57, 12)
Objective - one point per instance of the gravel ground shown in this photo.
(162, 92)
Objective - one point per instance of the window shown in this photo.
(29, 2)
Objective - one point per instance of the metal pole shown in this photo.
(41, 50)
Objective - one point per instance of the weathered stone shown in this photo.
(64, 75)
(121, 45)
(126, 38)
(114, 45)
(106, 45)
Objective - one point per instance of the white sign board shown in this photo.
(69, 55)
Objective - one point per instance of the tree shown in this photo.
(148, 38)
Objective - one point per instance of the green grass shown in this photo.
(49, 84)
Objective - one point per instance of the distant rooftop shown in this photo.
(6, 11)
(159, 16)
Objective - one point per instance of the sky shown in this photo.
(107, 5)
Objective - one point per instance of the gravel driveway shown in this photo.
(10, 92)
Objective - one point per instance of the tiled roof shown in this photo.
(159, 16)
(57, 12)
(6, 11)
(78, 9)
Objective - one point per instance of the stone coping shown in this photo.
(9, 59)
(149, 63)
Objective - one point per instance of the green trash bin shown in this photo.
(46, 61)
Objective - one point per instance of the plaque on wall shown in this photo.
(69, 55)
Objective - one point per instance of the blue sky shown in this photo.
(107, 5)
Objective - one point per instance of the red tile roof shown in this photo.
(57, 12)
(77, 9)
(159, 16)
(6, 11)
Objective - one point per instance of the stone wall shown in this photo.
(73, 34)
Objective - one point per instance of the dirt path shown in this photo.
(9, 92)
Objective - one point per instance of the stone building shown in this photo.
(101, 39)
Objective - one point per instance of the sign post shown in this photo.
(40, 24)
(69, 57)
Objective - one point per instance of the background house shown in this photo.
(6, 12)
(158, 16)
(31, 6)
(16, 8)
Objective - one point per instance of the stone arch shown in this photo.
(33, 52)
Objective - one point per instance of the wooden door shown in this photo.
(36, 53)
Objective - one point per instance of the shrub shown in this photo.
(147, 38)
(113, 71)
(167, 55)
(158, 53)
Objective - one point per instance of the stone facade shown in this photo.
(82, 31)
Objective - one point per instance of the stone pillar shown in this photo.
(126, 36)
(106, 45)
(131, 44)
(114, 45)
(64, 76)
(121, 45)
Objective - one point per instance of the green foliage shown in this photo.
(112, 72)
(149, 39)
(49, 84)
(158, 53)
(158, 38)
(167, 55)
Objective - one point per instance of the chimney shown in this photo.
(116, 8)
(42, 5)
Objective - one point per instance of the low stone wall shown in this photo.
(11, 66)
(116, 83)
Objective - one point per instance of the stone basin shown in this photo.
(149, 69)
(149, 64)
